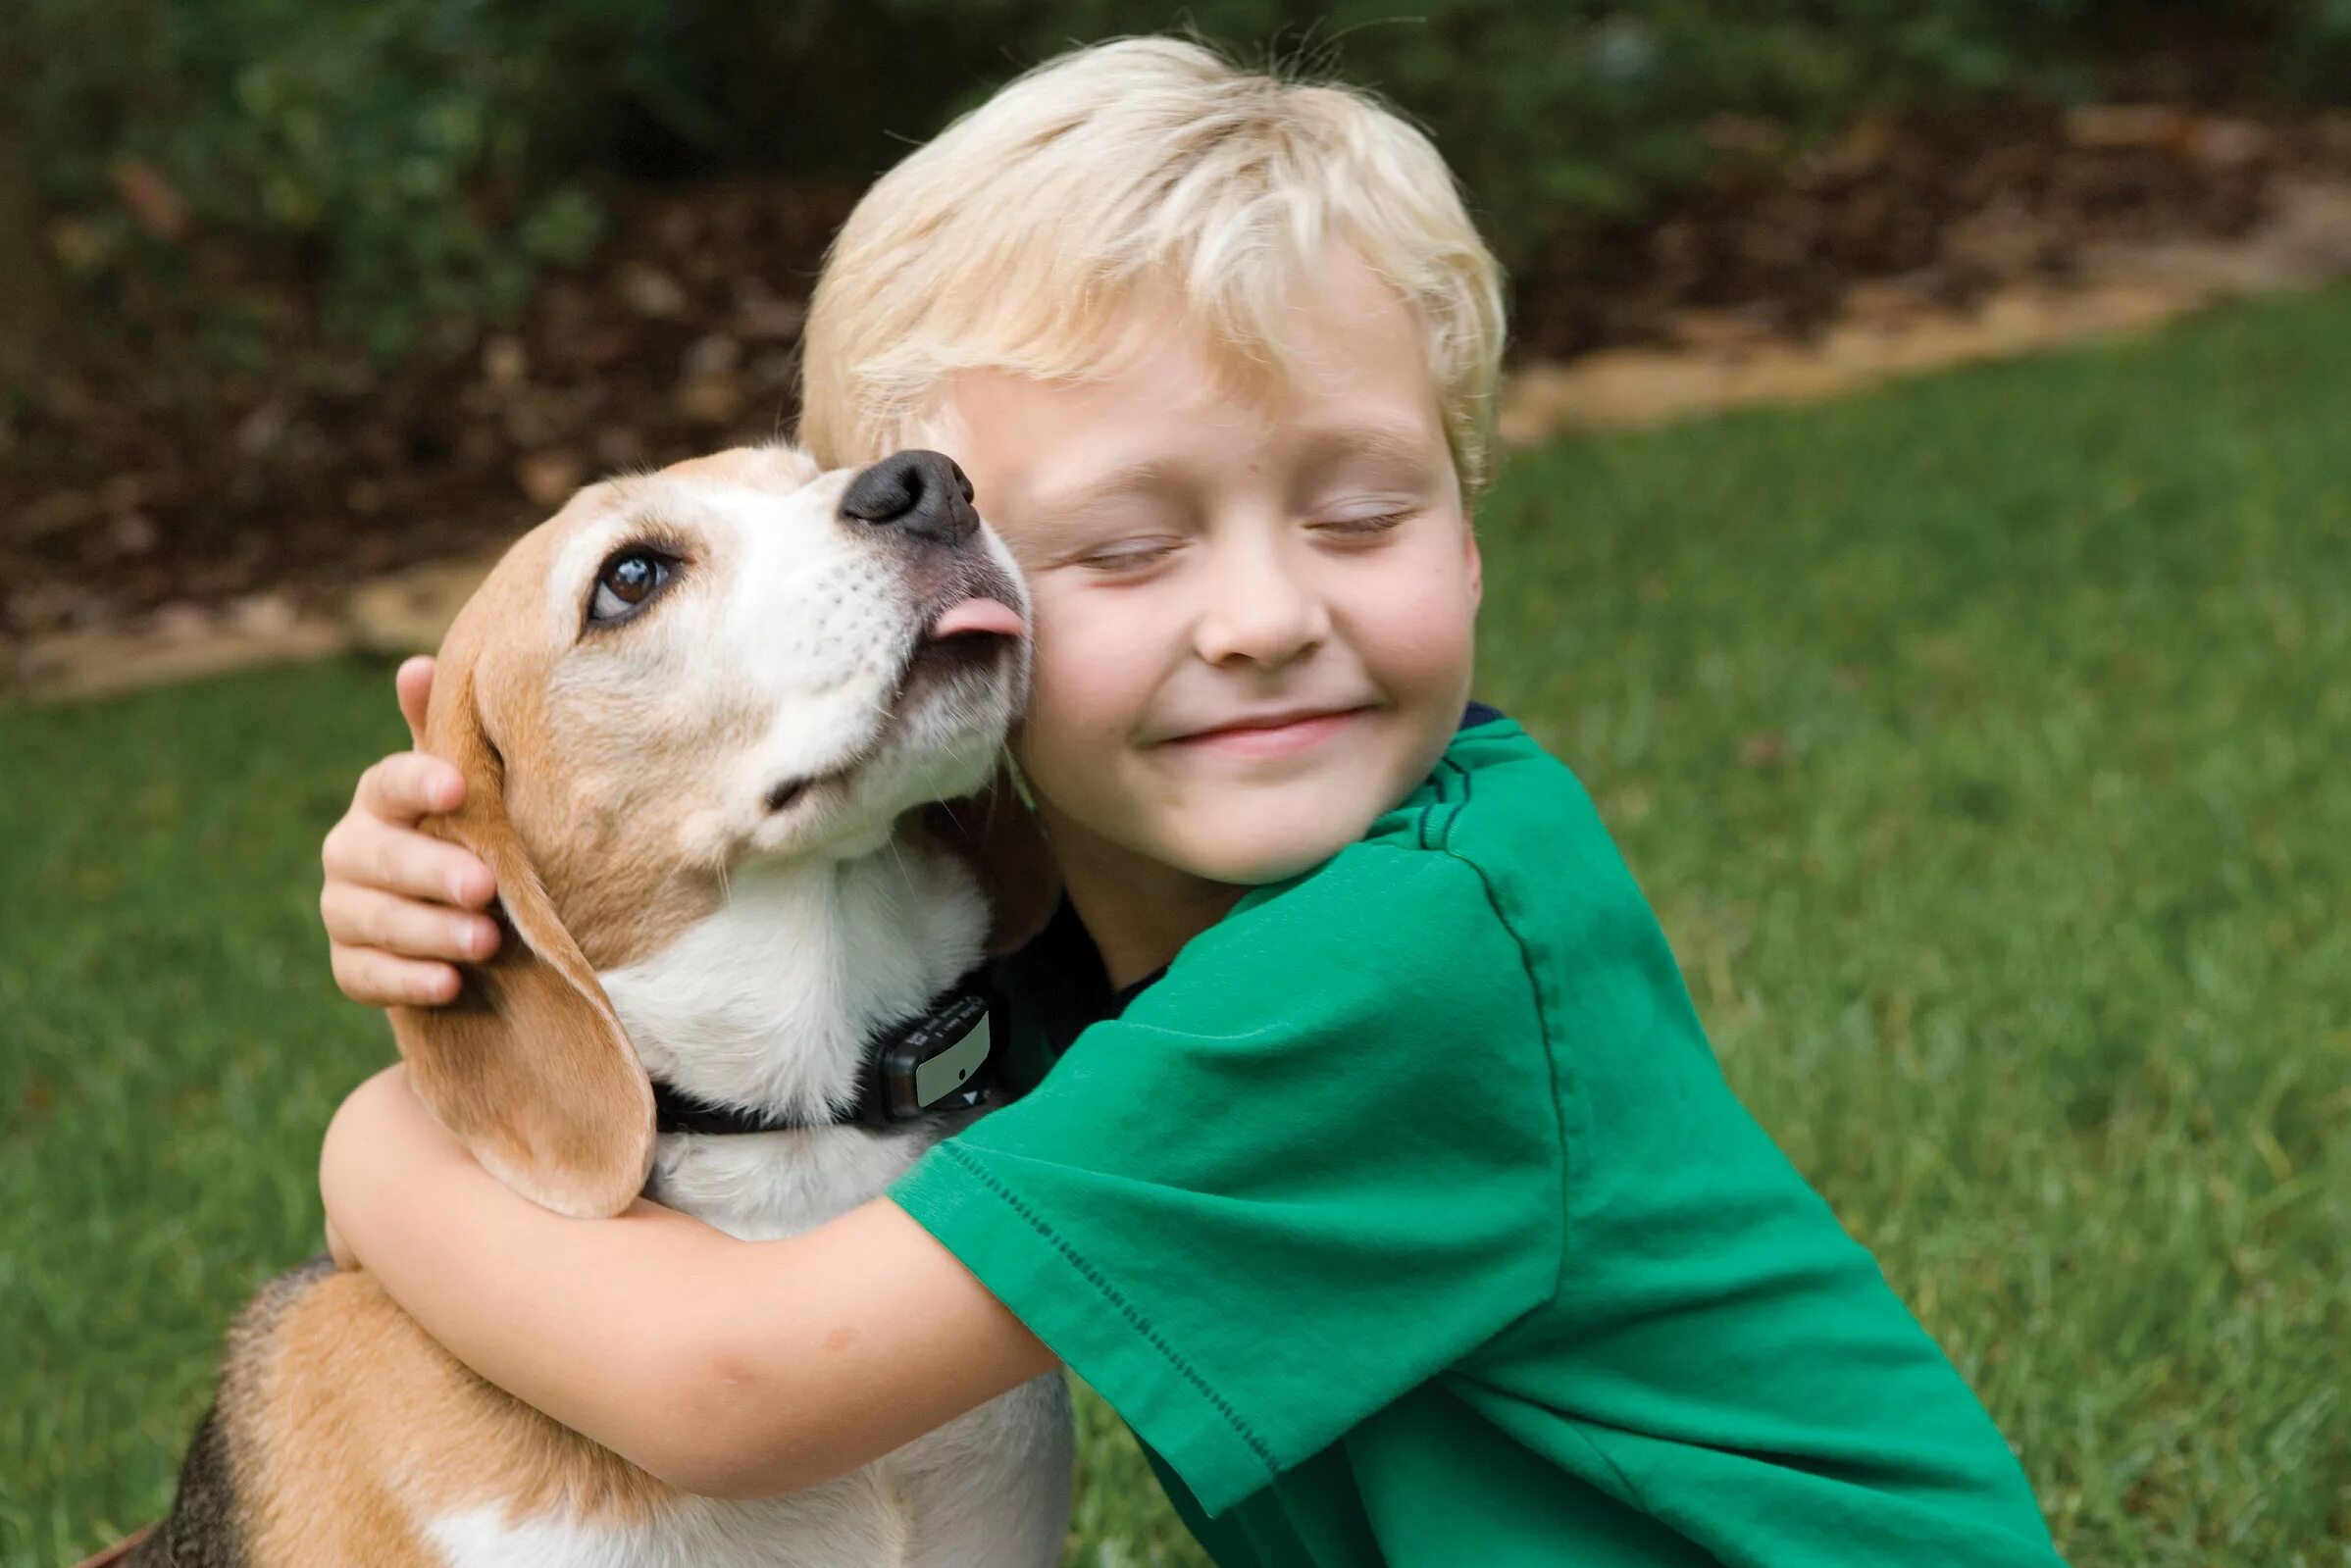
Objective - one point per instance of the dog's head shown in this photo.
(739, 656)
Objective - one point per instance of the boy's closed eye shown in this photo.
(1362, 527)
(1133, 555)
(1129, 557)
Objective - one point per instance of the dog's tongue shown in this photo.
(977, 618)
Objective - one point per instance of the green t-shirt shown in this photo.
(1406, 1218)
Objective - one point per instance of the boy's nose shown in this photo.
(1260, 612)
(921, 493)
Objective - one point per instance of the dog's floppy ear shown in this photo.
(529, 1066)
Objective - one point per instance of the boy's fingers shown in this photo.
(362, 917)
(413, 683)
(366, 853)
(375, 979)
(406, 786)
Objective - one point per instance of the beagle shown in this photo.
(693, 711)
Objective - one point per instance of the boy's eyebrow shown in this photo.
(1152, 473)
(1395, 445)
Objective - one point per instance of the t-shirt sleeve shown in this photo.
(1315, 1164)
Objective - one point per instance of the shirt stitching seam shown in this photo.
(1420, 826)
(1257, 1445)
(1444, 802)
(1551, 1057)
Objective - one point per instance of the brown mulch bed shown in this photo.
(155, 483)
(1954, 207)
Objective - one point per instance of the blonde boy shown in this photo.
(1384, 1182)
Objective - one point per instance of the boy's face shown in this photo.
(1253, 621)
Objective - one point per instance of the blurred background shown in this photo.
(1927, 532)
(292, 293)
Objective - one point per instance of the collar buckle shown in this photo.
(933, 1066)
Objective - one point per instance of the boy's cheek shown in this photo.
(1092, 672)
(1420, 641)
(1060, 741)
(1072, 724)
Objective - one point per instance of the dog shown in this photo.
(695, 711)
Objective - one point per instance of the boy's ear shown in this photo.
(529, 1066)
(1478, 567)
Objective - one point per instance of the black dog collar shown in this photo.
(940, 1061)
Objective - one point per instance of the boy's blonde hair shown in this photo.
(1117, 178)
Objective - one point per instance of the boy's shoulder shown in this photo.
(1482, 885)
(1519, 840)
(1491, 903)
(1496, 798)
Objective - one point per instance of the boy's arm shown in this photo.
(725, 1368)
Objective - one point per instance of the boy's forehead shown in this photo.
(1043, 454)
(1351, 382)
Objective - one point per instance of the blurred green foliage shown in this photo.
(1560, 113)
(1556, 113)
(2316, 52)
(424, 159)
(413, 156)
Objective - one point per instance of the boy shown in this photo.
(1384, 1184)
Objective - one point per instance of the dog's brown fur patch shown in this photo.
(357, 1425)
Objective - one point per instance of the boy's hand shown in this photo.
(397, 902)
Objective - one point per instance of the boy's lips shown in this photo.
(1272, 733)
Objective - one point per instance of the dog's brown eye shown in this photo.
(627, 584)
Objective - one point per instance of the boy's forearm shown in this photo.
(723, 1367)
(527, 1298)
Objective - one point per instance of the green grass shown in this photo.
(1981, 742)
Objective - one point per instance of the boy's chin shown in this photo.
(1251, 854)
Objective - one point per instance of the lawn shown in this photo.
(1981, 744)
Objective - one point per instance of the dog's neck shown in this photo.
(768, 1002)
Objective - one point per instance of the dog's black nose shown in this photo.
(923, 492)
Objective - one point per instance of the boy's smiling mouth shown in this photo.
(1279, 732)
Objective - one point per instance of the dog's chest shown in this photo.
(768, 1004)
(764, 1185)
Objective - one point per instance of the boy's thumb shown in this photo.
(413, 684)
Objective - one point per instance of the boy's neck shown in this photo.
(1138, 912)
